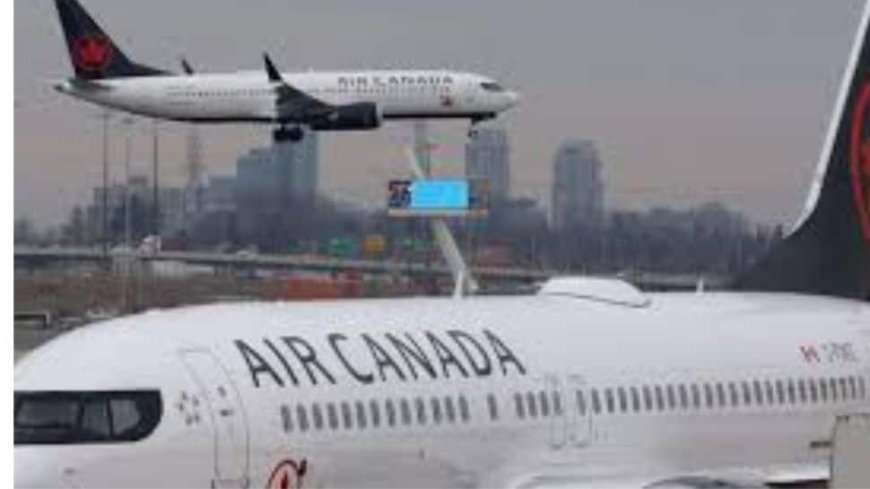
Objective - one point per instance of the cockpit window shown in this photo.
(492, 87)
(85, 417)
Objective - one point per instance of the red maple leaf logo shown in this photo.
(91, 52)
(864, 174)
(860, 159)
(288, 475)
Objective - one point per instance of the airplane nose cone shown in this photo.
(513, 99)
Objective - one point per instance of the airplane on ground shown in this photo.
(321, 101)
(588, 383)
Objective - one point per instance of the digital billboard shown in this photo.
(437, 197)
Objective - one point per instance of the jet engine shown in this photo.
(358, 116)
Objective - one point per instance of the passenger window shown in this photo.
(581, 403)
(421, 411)
(405, 407)
(532, 405)
(780, 392)
(346, 416)
(832, 383)
(390, 408)
(759, 394)
(557, 403)
(790, 390)
(684, 396)
(449, 409)
(286, 419)
(844, 391)
(696, 396)
(436, 410)
(672, 398)
(635, 399)
(317, 417)
(862, 388)
(596, 402)
(768, 387)
(647, 399)
(623, 399)
(519, 406)
(747, 393)
(332, 416)
(853, 388)
(375, 413)
(493, 407)
(735, 396)
(360, 415)
(545, 404)
(464, 412)
(814, 392)
(660, 398)
(609, 401)
(302, 418)
(802, 391)
(708, 396)
(720, 395)
(823, 390)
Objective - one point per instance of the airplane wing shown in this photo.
(292, 104)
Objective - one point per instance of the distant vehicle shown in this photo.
(321, 101)
(589, 383)
(150, 245)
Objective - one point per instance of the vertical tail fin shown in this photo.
(93, 53)
(829, 250)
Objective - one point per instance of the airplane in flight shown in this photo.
(321, 101)
(588, 383)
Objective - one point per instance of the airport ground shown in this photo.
(52, 300)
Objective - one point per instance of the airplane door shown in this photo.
(227, 418)
(578, 411)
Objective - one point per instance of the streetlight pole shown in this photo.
(105, 194)
(155, 217)
(127, 210)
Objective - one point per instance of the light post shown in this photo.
(127, 256)
(104, 207)
(155, 216)
(128, 122)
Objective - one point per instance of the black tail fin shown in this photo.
(829, 251)
(92, 52)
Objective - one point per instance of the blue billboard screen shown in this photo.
(439, 195)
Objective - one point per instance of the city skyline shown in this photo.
(677, 123)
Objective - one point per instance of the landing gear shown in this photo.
(283, 134)
(472, 130)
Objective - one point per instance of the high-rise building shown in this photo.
(578, 192)
(487, 157)
(271, 182)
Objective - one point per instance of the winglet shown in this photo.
(274, 76)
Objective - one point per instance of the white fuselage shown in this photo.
(500, 392)
(250, 96)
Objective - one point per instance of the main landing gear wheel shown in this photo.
(293, 134)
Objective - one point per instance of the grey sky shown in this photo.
(689, 100)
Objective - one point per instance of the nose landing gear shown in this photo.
(472, 130)
(283, 134)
